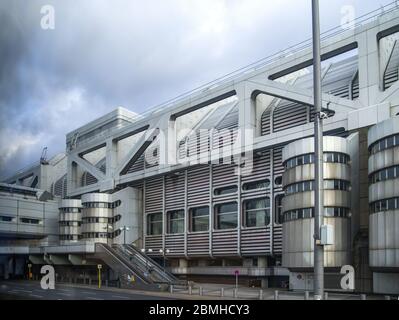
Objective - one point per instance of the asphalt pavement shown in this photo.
(31, 290)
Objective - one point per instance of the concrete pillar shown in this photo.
(262, 262)
(183, 263)
(265, 283)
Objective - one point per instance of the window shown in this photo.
(226, 215)
(278, 205)
(256, 185)
(30, 220)
(154, 224)
(384, 205)
(307, 213)
(385, 143)
(257, 212)
(384, 174)
(278, 180)
(225, 190)
(6, 219)
(175, 221)
(199, 219)
(329, 184)
(333, 157)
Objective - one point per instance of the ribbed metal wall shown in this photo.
(391, 73)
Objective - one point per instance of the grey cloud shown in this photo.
(104, 54)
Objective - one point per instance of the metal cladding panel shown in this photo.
(355, 87)
(277, 239)
(198, 244)
(198, 186)
(383, 159)
(255, 241)
(288, 115)
(88, 179)
(332, 198)
(224, 243)
(305, 172)
(384, 239)
(298, 243)
(175, 244)
(154, 243)
(138, 165)
(266, 123)
(224, 175)
(382, 130)
(175, 191)
(384, 190)
(154, 195)
(339, 76)
(391, 72)
(260, 169)
(229, 124)
(278, 167)
(305, 146)
(152, 155)
(58, 186)
(196, 143)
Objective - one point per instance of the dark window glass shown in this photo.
(226, 215)
(225, 190)
(176, 221)
(254, 185)
(278, 205)
(199, 219)
(257, 212)
(154, 224)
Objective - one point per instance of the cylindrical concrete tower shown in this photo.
(383, 146)
(96, 217)
(70, 221)
(298, 203)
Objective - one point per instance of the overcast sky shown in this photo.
(130, 53)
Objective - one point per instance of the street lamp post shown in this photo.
(161, 251)
(124, 229)
(318, 146)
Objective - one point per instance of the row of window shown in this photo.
(70, 210)
(6, 219)
(248, 186)
(329, 184)
(383, 144)
(384, 205)
(70, 223)
(305, 213)
(105, 235)
(256, 214)
(22, 220)
(101, 219)
(70, 237)
(95, 235)
(30, 221)
(107, 205)
(332, 157)
(384, 174)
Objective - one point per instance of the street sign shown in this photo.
(99, 266)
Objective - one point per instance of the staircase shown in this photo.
(128, 261)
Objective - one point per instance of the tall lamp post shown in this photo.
(124, 229)
(161, 251)
(318, 147)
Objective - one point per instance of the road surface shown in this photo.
(31, 290)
